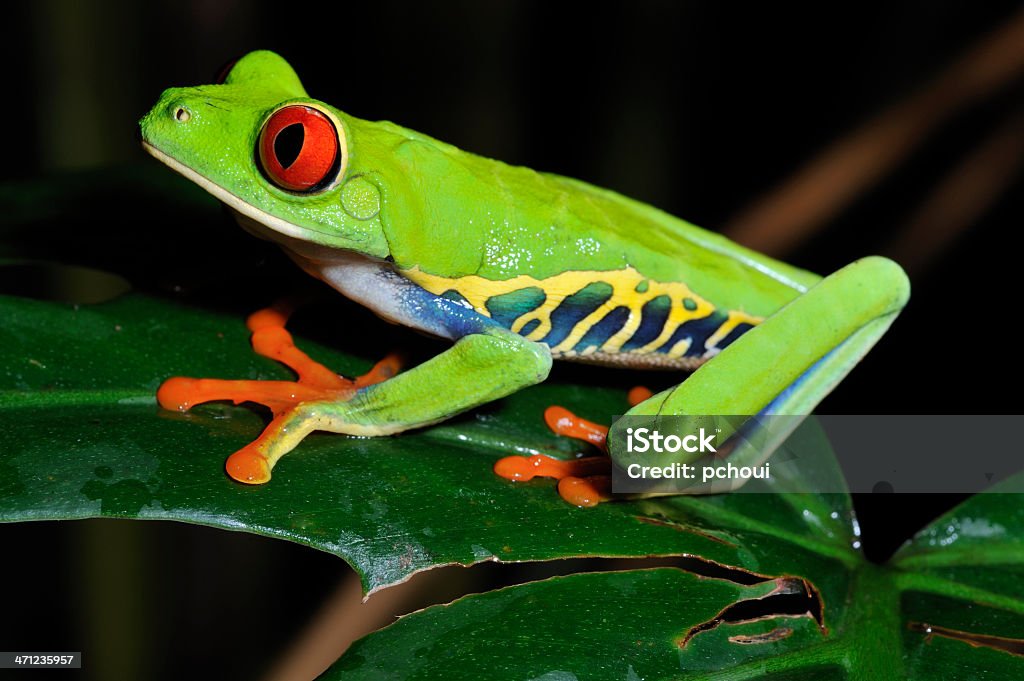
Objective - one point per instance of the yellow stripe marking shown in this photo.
(677, 315)
(680, 348)
(478, 290)
(736, 317)
(582, 326)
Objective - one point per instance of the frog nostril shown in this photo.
(182, 115)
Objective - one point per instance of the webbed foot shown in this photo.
(581, 482)
(315, 384)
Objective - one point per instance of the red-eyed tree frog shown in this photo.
(514, 266)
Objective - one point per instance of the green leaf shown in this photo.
(85, 438)
(963, 579)
(570, 628)
(930, 613)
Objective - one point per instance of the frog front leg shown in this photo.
(787, 364)
(485, 363)
(480, 367)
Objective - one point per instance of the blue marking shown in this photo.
(574, 309)
(600, 332)
(698, 331)
(528, 327)
(454, 296)
(654, 314)
(508, 307)
(441, 315)
(789, 389)
(738, 331)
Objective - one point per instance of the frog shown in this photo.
(514, 267)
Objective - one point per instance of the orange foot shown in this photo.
(316, 383)
(581, 482)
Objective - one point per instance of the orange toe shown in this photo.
(542, 466)
(248, 465)
(177, 394)
(563, 422)
(587, 492)
(266, 318)
(638, 394)
(530, 467)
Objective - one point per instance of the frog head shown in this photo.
(282, 161)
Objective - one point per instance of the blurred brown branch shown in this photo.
(961, 197)
(345, 617)
(792, 212)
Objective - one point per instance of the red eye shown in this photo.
(298, 148)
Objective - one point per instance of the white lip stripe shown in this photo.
(221, 194)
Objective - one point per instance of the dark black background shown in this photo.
(699, 108)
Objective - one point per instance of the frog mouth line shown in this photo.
(250, 211)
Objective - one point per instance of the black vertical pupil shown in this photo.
(288, 144)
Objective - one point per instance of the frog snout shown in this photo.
(164, 120)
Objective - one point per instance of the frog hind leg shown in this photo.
(315, 383)
(788, 363)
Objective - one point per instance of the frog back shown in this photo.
(590, 273)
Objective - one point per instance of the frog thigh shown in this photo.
(791, 361)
